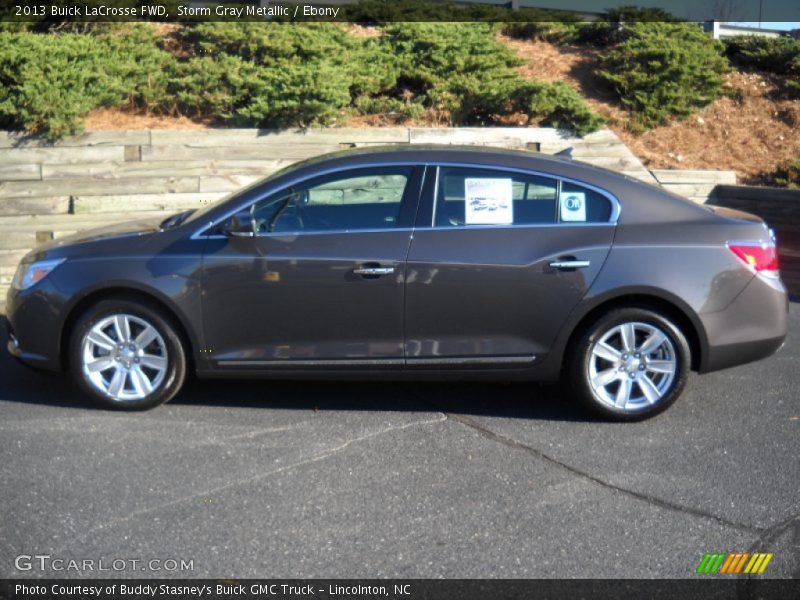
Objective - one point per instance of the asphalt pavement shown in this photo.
(316, 479)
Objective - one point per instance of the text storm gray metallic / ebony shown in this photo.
(411, 263)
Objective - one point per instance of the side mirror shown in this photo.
(241, 225)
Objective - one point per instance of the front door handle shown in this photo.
(570, 264)
(373, 271)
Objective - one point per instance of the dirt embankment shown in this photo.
(750, 130)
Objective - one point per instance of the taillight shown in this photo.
(762, 257)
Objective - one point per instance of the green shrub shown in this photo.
(405, 11)
(459, 67)
(462, 69)
(556, 32)
(775, 55)
(49, 82)
(791, 87)
(558, 105)
(387, 105)
(661, 70)
(298, 96)
(204, 87)
(788, 174)
(275, 75)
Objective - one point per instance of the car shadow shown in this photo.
(509, 400)
(21, 384)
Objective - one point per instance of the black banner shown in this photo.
(400, 589)
(755, 12)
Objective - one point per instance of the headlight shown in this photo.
(29, 274)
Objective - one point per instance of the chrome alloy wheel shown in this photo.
(124, 357)
(632, 366)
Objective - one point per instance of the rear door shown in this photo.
(321, 281)
(498, 261)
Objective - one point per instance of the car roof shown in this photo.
(438, 152)
(487, 155)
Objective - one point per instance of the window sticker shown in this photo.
(488, 201)
(573, 206)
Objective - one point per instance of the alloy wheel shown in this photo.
(632, 366)
(124, 357)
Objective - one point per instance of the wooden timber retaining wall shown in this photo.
(50, 190)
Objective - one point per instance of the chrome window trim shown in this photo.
(471, 360)
(289, 362)
(278, 234)
(521, 226)
(616, 208)
(378, 362)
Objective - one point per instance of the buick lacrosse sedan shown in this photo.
(411, 263)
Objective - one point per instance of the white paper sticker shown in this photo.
(488, 201)
(573, 206)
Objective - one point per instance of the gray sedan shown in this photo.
(411, 263)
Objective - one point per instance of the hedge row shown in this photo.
(281, 74)
(274, 75)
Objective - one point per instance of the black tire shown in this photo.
(581, 357)
(169, 347)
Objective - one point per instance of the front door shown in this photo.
(320, 283)
(498, 262)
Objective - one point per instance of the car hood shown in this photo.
(117, 230)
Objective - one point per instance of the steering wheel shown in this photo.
(290, 219)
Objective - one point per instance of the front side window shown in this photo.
(475, 196)
(356, 200)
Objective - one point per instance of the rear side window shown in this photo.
(578, 204)
(468, 196)
(488, 197)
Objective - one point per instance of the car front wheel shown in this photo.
(126, 355)
(630, 364)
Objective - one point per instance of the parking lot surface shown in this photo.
(315, 479)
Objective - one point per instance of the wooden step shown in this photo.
(693, 176)
(60, 154)
(133, 137)
(11, 258)
(166, 168)
(15, 240)
(97, 187)
(74, 222)
(20, 172)
(145, 203)
(48, 205)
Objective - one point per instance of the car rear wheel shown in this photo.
(127, 355)
(630, 364)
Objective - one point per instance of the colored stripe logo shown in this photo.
(734, 563)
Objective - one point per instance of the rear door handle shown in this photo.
(373, 271)
(570, 264)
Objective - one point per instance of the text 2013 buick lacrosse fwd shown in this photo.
(411, 263)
